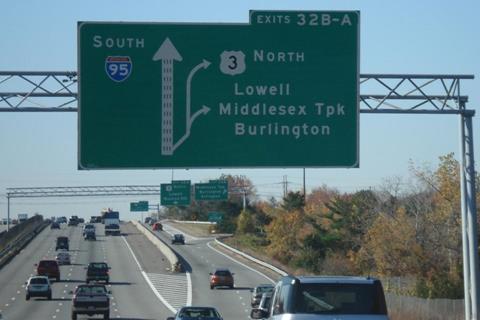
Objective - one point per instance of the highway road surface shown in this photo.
(142, 285)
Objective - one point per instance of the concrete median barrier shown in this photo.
(163, 247)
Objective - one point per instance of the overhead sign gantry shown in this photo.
(281, 91)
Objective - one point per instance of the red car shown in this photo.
(48, 268)
(157, 226)
(221, 278)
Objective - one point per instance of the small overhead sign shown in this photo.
(176, 193)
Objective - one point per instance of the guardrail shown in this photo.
(12, 247)
(260, 262)
(195, 222)
(166, 250)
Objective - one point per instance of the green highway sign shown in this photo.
(213, 190)
(139, 206)
(279, 91)
(215, 216)
(176, 193)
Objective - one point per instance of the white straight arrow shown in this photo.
(168, 54)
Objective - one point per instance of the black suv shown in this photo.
(62, 243)
(178, 238)
(98, 271)
(300, 297)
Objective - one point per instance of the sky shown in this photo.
(408, 37)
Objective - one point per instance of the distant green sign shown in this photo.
(211, 191)
(279, 91)
(139, 206)
(176, 193)
(215, 216)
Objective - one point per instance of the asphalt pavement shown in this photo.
(142, 285)
(201, 258)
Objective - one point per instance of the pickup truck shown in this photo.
(91, 299)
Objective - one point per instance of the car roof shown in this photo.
(336, 279)
(38, 277)
(222, 269)
(92, 285)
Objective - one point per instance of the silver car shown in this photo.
(328, 298)
(63, 258)
(38, 286)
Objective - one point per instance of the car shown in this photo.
(48, 268)
(98, 271)
(61, 220)
(55, 225)
(91, 299)
(331, 297)
(90, 235)
(147, 220)
(192, 313)
(178, 238)
(88, 227)
(63, 258)
(38, 286)
(62, 243)
(258, 291)
(81, 220)
(221, 277)
(73, 222)
(95, 219)
(152, 221)
(157, 226)
(263, 305)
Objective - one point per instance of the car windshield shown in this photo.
(98, 266)
(198, 313)
(90, 290)
(223, 273)
(47, 263)
(264, 289)
(338, 299)
(38, 281)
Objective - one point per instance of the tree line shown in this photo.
(397, 231)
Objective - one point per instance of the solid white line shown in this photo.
(189, 289)
(133, 254)
(159, 296)
(242, 264)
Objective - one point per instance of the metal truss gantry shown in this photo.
(83, 191)
(46, 91)
(25, 91)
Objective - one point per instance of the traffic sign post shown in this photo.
(139, 206)
(211, 191)
(281, 91)
(176, 193)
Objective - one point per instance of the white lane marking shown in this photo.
(18, 292)
(159, 296)
(242, 264)
(189, 289)
(13, 298)
(172, 286)
(133, 254)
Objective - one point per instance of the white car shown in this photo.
(63, 258)
(38, 286)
